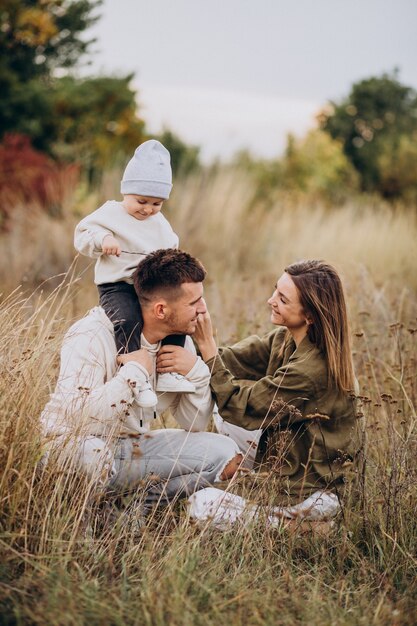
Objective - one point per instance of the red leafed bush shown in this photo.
(31, 177)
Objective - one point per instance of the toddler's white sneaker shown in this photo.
(145, 396)
(175, 383)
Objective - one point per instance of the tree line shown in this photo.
(365, 142)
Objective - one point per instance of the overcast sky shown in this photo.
(229, 74)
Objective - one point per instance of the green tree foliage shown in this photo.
(184, 158)
(92, 121)
(315, 166)
(397, 165)
(96, 121)
(377, 124)
(36, 38)
(318, 166)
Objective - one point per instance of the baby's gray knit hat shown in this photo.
(148, 172)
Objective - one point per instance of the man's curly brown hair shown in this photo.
(162, 272)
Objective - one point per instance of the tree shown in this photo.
(31, 178)
(398, 168)
(96, 121)
(317, 165)
(375, 118)
(93, 121)
(314, 165)
(36, 38)
(184, 158)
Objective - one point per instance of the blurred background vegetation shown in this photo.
(57, 129)
(54, 123)
(346, 192)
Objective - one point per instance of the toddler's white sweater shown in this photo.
(137, 238)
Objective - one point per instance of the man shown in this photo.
(92, 419)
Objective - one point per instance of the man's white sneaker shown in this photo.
(174, 382)
(145, 396)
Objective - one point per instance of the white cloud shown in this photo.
(222, 122)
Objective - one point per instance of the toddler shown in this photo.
(119, 235)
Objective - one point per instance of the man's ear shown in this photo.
(160, 310)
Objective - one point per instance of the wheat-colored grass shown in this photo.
(170, 571)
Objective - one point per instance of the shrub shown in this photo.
(29, 176)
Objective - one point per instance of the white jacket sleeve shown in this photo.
(89, 235)
(82, 392)
(194, 410)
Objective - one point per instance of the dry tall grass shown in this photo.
(170, 571)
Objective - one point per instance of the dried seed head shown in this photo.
(386, 397)
(280, 408)
(317, 416)
(153, 478)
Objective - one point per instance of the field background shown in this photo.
(76, 83)
(170, 571)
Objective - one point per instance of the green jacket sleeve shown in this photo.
(248, 359)
(277, 399)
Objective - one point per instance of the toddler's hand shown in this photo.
(141, 356)
(110, 245)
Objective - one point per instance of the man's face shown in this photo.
(183, 311)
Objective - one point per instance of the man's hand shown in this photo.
(175, 359)
(203, 336)
(111, 246)
(141, 356)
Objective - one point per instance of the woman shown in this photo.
(293, 386)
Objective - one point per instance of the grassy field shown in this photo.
(171, 571)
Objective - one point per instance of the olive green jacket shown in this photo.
(309, 426)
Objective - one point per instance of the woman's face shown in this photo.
(286, 309)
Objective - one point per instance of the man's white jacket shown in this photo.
(93, 396)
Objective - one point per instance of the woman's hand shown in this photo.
(175, 359)
(203, 336)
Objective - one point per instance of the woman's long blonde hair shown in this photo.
(321, 296)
